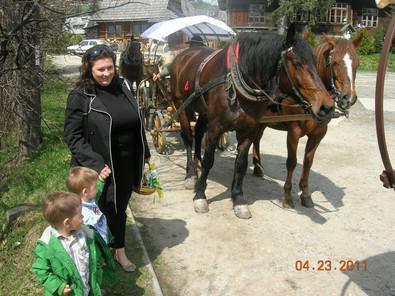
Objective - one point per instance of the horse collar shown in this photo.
(232, 49)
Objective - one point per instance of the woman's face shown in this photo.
(103, 71)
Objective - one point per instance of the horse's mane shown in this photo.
(260, 55)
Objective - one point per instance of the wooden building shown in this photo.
(258, 15)
(118, 20)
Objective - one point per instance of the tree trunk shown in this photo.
(29, 89)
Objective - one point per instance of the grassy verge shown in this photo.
(30, 183)
(370, 62)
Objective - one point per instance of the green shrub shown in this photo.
(368, 43)
(313, 40)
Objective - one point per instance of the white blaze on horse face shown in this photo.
(348, 62)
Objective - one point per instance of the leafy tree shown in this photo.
(28, 30)
(315, 9)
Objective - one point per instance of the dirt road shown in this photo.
(219, 254)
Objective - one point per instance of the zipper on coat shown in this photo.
(109, 148)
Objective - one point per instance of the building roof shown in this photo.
(136, 10)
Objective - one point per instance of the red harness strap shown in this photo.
(229, 52)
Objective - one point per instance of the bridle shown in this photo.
(335, 93)
(306, 104)
(333, 90)
(258, 94)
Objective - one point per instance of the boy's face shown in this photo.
(76, 221)
(90, 192)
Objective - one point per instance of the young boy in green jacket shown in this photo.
(66, 262)
(88, 184)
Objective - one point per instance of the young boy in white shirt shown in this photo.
(65, 256)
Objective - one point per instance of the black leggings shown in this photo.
(116, 219)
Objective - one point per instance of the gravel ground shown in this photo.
(219, 254)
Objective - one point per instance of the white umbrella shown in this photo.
(204, 25)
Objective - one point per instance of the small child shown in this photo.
(65, 254)
(89, 185)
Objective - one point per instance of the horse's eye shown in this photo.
(297, 63)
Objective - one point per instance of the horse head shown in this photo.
(337, 63)
(299, 76)
(132, 55)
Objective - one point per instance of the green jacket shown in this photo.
(54, 267)
(107, 274)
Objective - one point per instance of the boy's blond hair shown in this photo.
(80, 178)
(60, 205)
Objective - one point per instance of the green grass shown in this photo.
(370, 62)
(30, 182)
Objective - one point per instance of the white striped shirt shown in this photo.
(76, 246)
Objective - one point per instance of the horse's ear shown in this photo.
(358, 40)
(330, 40)
(291, 32)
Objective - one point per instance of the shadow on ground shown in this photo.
(270, 186)
(377, 279)
(162, 233)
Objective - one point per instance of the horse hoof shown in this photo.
(190, 183)
(200, 205)
(306, 201)
(242, 212)
(258, 172)
(288, 204)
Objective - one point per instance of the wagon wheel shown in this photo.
(388, 175)
(144, 99)
(158, 136)
(223, 141)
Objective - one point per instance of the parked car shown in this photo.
(84, 45)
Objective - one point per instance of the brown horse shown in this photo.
(132, 62)
(337, 62)
(267, 64)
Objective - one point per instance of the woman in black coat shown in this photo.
(103, 127)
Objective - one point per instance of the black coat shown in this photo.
(87, 132)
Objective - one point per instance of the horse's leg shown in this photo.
(293, 136)
(314, 139)
(186, 135)
(200, 129)
(240, 205)
(256, 156)
(200, 199)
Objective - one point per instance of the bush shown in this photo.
(313, 40)
(368, 43)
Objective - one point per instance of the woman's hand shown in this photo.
(105, 172)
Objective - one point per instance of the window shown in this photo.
(114, 30)
(110, 30)
(370, 17)
(138, 28)
(338, 14)
(256, 14)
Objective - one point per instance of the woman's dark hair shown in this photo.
(86, 81)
